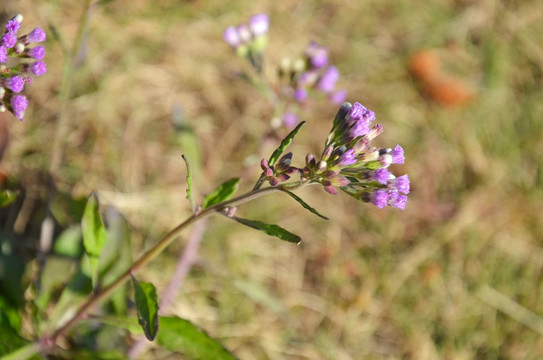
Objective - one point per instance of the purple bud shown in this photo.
(9, 39)
(317, 55)
(35, 36)
(379, 198)
(398, 201)
(259, 24)
(300, 94)
(338, 97)
(401, 183)
(348, 158)
(290, 119)
(374, 132)
(310, 160)
(18, 105)
(15, 84)
(327, 82)
(13, 25)
(37, 52)
(397, 155)
(380, 175)
(273, 181)
(282, 177)
(330, 189)
(3, 54)
(327, 152)
(231, 36)
(264, 164)
(38, 68)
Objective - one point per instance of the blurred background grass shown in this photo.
(457, 275)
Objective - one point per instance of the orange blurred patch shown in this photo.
(425, 64)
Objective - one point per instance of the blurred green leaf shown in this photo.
(222, 193)
(284, 144)
(69, 242)
(270, 229)
(189, 185)
(182, 336)
(305, 205)
(7, 197)
(57, 272)
(13, 347)
(94, 234)
(147, 307)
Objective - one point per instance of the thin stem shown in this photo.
(158, 248)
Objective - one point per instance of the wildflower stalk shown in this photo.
(49, 341)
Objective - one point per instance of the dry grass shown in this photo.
(369, 284)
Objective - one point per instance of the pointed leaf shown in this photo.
(286, 142)
(270, 229)
(189, 185)
(7, 197)
(222, 193)
(94, 232)
(147, 307)
(305, 205)
(182, 336)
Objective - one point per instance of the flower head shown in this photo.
(259, 24)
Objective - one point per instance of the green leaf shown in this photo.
(94, 234)
(69, 242)
(286, 142)
(182, 336)
(189, 185)
(7, 197)
(147, 306)
(222, 193)
(28, 351)
(272, 230)
(304, 204)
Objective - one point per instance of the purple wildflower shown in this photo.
(290, 119)
(300, 94)
(37, 52)
(397, 155)
(259, 24)
(35, 36)
(328, 80)
(231, 36)
(9, 39)
(347, 158)
(19, 104)
(13, 25)
(3, 54)
(401, 183)
(338, 97)
(379, 198)
(15, 84)
(380, 175)
(317, 55)
(38, 68)
(396, 200)
(360, 113)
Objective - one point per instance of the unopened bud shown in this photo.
(327, 153)
(321, 166)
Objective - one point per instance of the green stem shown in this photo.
(157, 249)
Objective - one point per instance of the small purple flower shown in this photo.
(347, 158)
(9, 39)
(317, 55)
(359, 128)
(13, 25)
(19, 104)
(360, 113)
(37, 52)
(290, 119)
(380, 175)
(231, 36)
(327, 82)
(398, 201)
(38, 68)
(338, 97)
(397, 155)
(401, 183)
(15, 84)
(259, 24)
(35, 36)
(300, 94)
(3, 54)
(379, 198)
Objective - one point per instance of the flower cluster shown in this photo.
(249, 40)
(14, 78)
(352, 164)
(280, 172)
(308, 74)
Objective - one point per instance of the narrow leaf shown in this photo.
(7, 197)
(222, 193)
(272, 230)
(182, 336)
(189, 185)
(94, 232)
(147, 307)
(286, 142)
(305, 205)
(29, 351)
